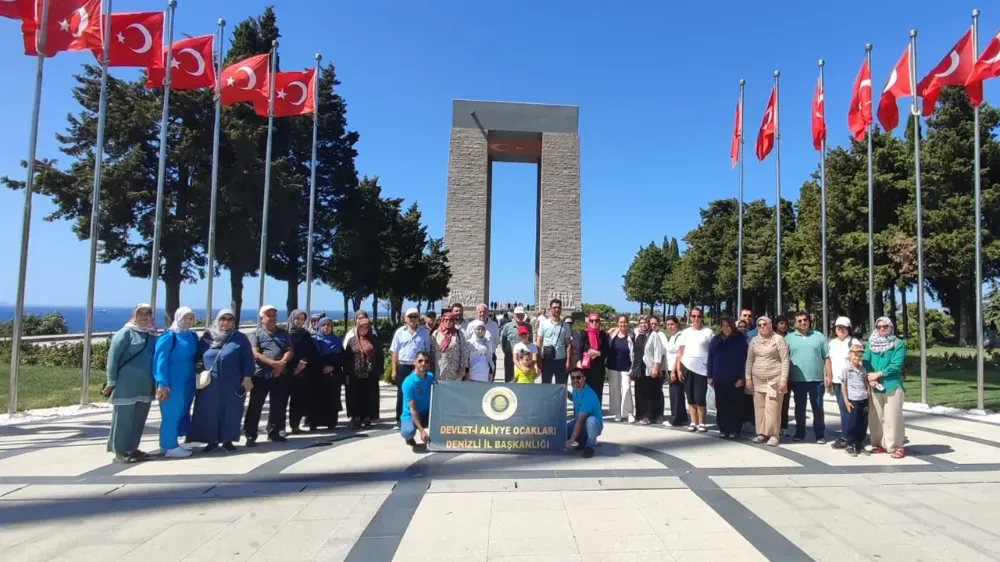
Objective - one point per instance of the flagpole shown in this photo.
(822, 205)
(739, 250)
(210, 266)
(29, 186)
(161, 175)
(312, 190)
(871, 205)
(980, 376)
(267, 176)
(777, 213)
(95, 210)
(915, 112)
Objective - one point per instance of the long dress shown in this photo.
(218, 408)
(453, 362)
(173, 368)
(363, 374)
(767, 365)
(130, 373)
(595, 374)
(323, 389)
(303, 349)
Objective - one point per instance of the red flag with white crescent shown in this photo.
(859, 115)
(293, 94)
(898, 86)
(988, 65)
(245, 80)
(17, 9)
(768, 126)
(136, 40)
(818, 117)
(72, 25)
(190, 65)
(954, 70)
(734, 145)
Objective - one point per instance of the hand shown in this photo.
(593, 352)
(749, 384)
(107, 390)
(395, 376)
(327, 370)
(740, 383)
(680, 376)
(424, 437)
(783, 387)
(279, 368)
(828, 383)
(673, 376)
(711, 382)
(299, 368)
(570, 443)
(849, 406)
(873, 377)
(247, 384)
(162, 393)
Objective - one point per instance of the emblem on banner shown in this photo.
(499, 403)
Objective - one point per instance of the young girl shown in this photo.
(524, 366)
(855, 389)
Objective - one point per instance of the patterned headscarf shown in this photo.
(878, 343)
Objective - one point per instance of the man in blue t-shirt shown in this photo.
(416, 389)
(588, 419)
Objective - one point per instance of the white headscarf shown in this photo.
(178, 316)
(133, 323)
(480, 345)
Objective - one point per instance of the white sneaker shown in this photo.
(618, 419)
(631, 418)
(177, 453)
(702, 428)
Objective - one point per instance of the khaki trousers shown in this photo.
(767, 413)
(620, 394)
(885, 419)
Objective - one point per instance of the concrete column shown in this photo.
(559, 272)
(467, 218)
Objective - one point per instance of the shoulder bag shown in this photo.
(205, 377)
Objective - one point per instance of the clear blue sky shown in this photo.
(656, 83)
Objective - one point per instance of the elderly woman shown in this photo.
(303, 355)
(883, 361)
(218, 408)
(767, 375)
(365, 365)
(324, 377)
(451, 351)
(595, 347)
(727, 359)
(130, 384)
(481, 363)
(173, 370)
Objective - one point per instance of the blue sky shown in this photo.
(656, 83)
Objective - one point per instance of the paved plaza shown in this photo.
(651, 493)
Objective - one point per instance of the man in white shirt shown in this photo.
(692, 354)
(410, 339)
(458, 313)
(840, 348)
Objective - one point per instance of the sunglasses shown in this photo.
(594, 321)
(576, 378)
(420, 361)
(761, 324)
(882, 327)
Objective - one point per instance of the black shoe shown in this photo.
(187, 440)
(277, 438)
(297, 431)
(852, 451)
(840, 443)
(723, 436)
(797, 438)
(411, 442)
(210, 447)
(251, 441)
(124, 459)
(228, 445)
(587, 453)
(367, 423)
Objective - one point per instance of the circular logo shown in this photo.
(499, 403)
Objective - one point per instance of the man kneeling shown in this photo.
(589, 419)
(416, 389)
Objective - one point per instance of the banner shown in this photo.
(497, 418)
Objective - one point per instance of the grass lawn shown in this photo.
(954, 388)
(47, 387)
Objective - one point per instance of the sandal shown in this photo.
(898, 454)
(878, 450)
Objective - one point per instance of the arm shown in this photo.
(895, 366)
(568, 342)
(712, 347)
(577, 427)
(783, 356)
(394, 349)
(749, 365)
(843, 392)
(827, 367)
(161, 360)
(115, 352)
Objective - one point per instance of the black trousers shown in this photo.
(298, 400)
(857, 423)
(508, 365)
(595, 380)
(402, 371)
(646, 389)
(657, 406)
(277, 389)
(678, 405)
(729, 404)
(784, 408)
(554, 369)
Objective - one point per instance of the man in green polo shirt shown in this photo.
(809, 376)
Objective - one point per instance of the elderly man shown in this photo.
(272, 350)
(410, 339)
(810, 375)
(509, 338)
(430, 320)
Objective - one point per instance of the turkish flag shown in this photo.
(245, 80)
(768, 126)
(897, 87)
(190, 65)
(136, 40)
(954, 70)
(988, 65)
(818, 117)
(17, 9)
(734, 146)
(859, 115)
(72, 25)
(293, 94)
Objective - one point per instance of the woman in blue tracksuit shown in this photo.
(173, 370)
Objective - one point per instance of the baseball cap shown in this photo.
(522, 329)
(412, 312)
(518, 310)
(843, 322)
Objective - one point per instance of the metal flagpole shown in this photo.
(210, 266)
(312, 190)
(95, 210)
(29, 187)
(915, 112)
(267, 176)
(822, 205)
(777, 213)
(871, 205)
(739, 251)
(980, 377)
(161, 176)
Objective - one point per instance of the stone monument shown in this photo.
(484, 132)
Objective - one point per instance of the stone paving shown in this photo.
(651, 493)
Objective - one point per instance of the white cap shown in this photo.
(412, 312)
(518, 310)
(843, 321)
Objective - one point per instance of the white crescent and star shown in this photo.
(84, 22)
(197, 57)
(866, 83)
(955, 61)
(251, 77)
(819, 102)
(892, 81)
(767, 117)
(147, 39)
(996, 57)
(302, 87)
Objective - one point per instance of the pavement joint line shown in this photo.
(943, 433)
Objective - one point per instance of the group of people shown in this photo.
(201, 383)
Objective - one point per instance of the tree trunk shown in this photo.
(236, 293)
(356, 301)
(374, 309)
(346, 313)
(292, 298)
(905, 312)
(892, 306)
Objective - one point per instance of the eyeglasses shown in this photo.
(761, 324)
(882, 326)
(595, 321)
(576, 378)
(802, 321)
(414, 316)
(696, 316)
(420, 361)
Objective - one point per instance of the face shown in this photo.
(457, 311)
(187, 321)
(429, 320)
(326, 328)
(841, 332)
(448, 322)
(299, 320)
(594, 322)
(412, 320)
(576, 379)
(802, 323)
(764, 328)
(420, 365)
(226, 323)
(269, 318)
(364, 328)
(727, 329)
(672, 326)
(696, 318)
(481, 312)
(555, 309)
(654, 324)
(622, 325)
(144, 316)
(856, 358)
(522, 336)
(884, 328)
(746, 316)
(782, 327)
(519, 318)
(741, 326)
(480, 331)
(643, 324)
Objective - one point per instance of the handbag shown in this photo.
(204, 378)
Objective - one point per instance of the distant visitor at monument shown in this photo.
(484, 132)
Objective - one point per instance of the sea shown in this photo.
(109, 319)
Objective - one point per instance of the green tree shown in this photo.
(644, 278)
(50, 324)
(402, 239)
(604, 310)
(436, 272)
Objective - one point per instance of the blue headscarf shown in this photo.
(327, 345)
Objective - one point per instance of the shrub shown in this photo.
(59, 355)
(52, 324)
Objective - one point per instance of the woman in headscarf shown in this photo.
(727, 360)
(595, 347)
(173, 369)
(303, 355)
(451, 351)
(883, 361)
(218, 408)
(130, 385)
(767, 375)
(481, 365)
(324, 377)
(365, 365)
